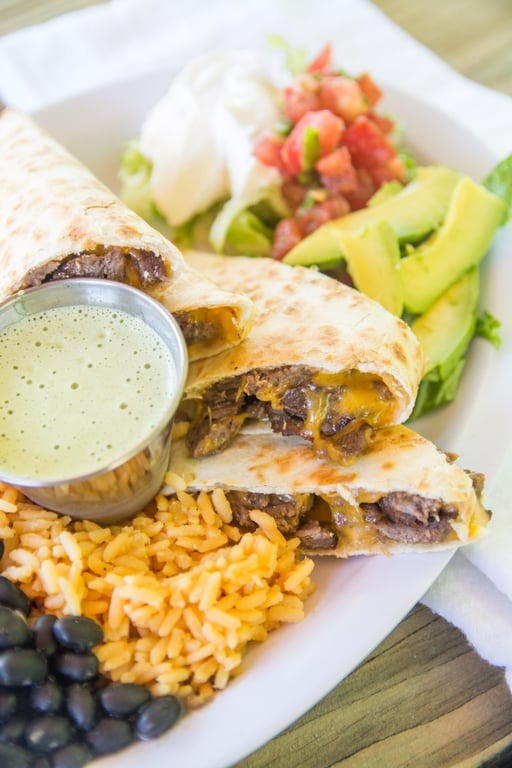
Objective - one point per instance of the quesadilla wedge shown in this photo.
(322, 361)
(57, 221)
(402, 495)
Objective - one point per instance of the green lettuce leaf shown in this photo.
(434, 391)
(488, 327)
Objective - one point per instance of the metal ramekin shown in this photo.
(122, 488)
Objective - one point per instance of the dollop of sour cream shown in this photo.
(80, 387)
(200, 136)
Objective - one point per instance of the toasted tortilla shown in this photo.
(58, 220)
(322, 361)
(402, 495)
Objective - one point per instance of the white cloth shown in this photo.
(123, 38)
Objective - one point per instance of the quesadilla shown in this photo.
(322, 361)
(402, 495)
(58, 221)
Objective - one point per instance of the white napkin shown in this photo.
(124, 38)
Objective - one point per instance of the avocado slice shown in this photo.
(373, 262)
(387, 190)
(413, 213)
(446, 328)
(460, 243)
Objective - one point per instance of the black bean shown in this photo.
(44, 640)
(14, 630)
(13, 596)
(14, 756)
(8, 703)
(157, 716)
(78, 667)
(46, 698)
(47, 733)
(109, 735)
(73, 756)
(81, 706)
(121, 699)
(78, 633)
(22, 666)
(13, 730)
(41, 762)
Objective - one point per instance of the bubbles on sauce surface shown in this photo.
(84, 382)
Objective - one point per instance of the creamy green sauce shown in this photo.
(79, 387)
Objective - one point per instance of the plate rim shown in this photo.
(425, 566)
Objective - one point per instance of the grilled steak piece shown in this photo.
(207, 438)
(408, 517)
(110, 267)
(286, 510)
(317, 536)
(353, 439)
(434, 532)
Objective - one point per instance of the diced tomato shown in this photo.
(297, 102)
(342, 184)
(370, 88)
(268, 151)
(337, 173)
(395, 169)
(322, 61)
(335, 163)
(330, 130)
(343, 96)
(293, 192)
(319, 214)
(385, 123)
(313, 218)
(286, 234)
(365, 188)
(367, 145)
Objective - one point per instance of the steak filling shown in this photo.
(133, 266)
(336, 413)
(399, 517)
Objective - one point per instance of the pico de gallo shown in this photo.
(334, 152)
(277, 154)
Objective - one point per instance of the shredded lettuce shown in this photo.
(296, 58)
(135, 175)
(499, 181)
(248, 235)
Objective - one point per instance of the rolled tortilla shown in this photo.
(57, 220)
(402, 495)
(322, 361)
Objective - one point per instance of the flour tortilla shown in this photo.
(52, 208)
(307, 319)
(399, 461)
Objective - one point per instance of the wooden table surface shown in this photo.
(423, 698)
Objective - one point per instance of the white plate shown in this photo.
(357, 602)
